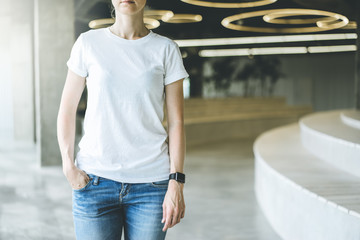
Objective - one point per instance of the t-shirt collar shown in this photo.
(128, 41)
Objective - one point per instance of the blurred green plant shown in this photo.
(264, 69)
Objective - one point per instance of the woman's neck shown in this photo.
(129, 27)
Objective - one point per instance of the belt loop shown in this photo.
(96, 180)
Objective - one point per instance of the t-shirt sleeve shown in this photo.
(174, 66)
(76, 62)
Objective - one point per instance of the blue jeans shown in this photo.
(104, 207)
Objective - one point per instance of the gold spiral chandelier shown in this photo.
(150, 23)
(151, 19)
(158, 14)
(248, 4)
(183, 18)
(328, 20)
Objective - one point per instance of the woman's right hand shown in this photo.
(76, 177)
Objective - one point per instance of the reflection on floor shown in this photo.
(220, 202)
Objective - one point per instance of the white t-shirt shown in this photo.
(124, 139)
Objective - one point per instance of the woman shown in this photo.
(124, 176)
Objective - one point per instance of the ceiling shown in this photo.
(210, 26)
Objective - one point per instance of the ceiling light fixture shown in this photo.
(326, 49)
(183, 18)
(255, 3)
(350, 25)
(275, 17)
(264, 39)
(331, 22)
(101, 23)
(158, 14)
(343, 21)
(150, 23)
(252, 51)
(274, 51)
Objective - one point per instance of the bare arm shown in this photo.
(73, 88)
(175, 119)
(174, 206)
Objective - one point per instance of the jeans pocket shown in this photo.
(85, 187)
(161, 184)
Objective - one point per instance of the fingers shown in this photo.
(175, 217)
(183, 206)
(182, 214)
(172, 217)
(173, 207)
(168, 220)
(85, 175)
(164, 216)
(80, 180)
(86, 179)
(178, 217)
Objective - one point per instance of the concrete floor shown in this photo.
(220, 202)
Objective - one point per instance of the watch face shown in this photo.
(180, 177)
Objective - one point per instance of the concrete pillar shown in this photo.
(16, 69)
(22, 70)
(54, 37)
(6, 99)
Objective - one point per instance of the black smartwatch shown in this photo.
(180, 177)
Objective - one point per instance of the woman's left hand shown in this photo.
(173, 205)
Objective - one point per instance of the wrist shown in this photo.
(175, 184)
(68, 167)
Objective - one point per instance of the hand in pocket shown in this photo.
(77, 178)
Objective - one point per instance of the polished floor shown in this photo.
(35, 203)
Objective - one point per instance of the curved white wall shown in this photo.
(351, 118)
(303, 196)
(327, 137)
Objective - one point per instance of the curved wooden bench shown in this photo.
(214, 119)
